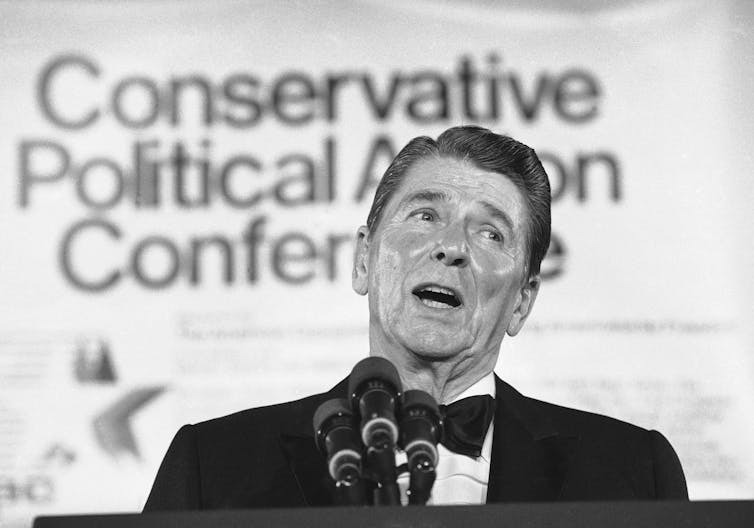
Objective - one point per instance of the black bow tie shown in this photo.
(465, 424)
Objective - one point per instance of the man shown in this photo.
(450, 260)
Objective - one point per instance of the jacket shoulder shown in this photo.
(266, 420)
(642, 456)
(582, 422)
(233, 461)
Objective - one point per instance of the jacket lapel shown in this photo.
(305, 461)
(529, 455)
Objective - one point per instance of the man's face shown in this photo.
(446, 267)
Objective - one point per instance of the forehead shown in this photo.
(463, 182)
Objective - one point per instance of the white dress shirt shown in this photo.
(460, 479)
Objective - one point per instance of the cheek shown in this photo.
(388, 272)
(387, 267)
(398, 250)
(416, 245)
(410, 243)
(396, 257)
(493, 271)
(496, 278)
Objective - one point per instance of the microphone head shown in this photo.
(421, 406)
(421, 427)
(418, 399)
(332, 412)
(372, 368)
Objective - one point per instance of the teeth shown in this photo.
(439, 289)
(438, 297)
(436, 304)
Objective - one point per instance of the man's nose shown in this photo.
(452, 249)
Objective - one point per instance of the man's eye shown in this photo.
(426, 216)
(492, 235)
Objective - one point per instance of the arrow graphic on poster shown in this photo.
(112, 427)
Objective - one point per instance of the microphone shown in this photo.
(421, 427)
(374, 387)
(336, 437)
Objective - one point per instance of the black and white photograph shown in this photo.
(376, 262)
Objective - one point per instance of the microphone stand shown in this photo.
(380, 461)
(350, 491)
(421, 479)
(421, 427)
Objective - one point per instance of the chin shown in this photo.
(436, 348)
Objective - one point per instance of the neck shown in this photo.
(443, 378)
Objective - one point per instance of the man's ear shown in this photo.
(360, 276)
(527, 295)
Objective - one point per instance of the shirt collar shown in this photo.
(486, 385)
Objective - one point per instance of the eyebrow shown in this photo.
(426, 196)
(497, 213)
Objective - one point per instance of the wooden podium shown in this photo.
(667, 514)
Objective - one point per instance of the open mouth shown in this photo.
(437, 296)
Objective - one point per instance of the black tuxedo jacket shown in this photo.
(266, 457)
